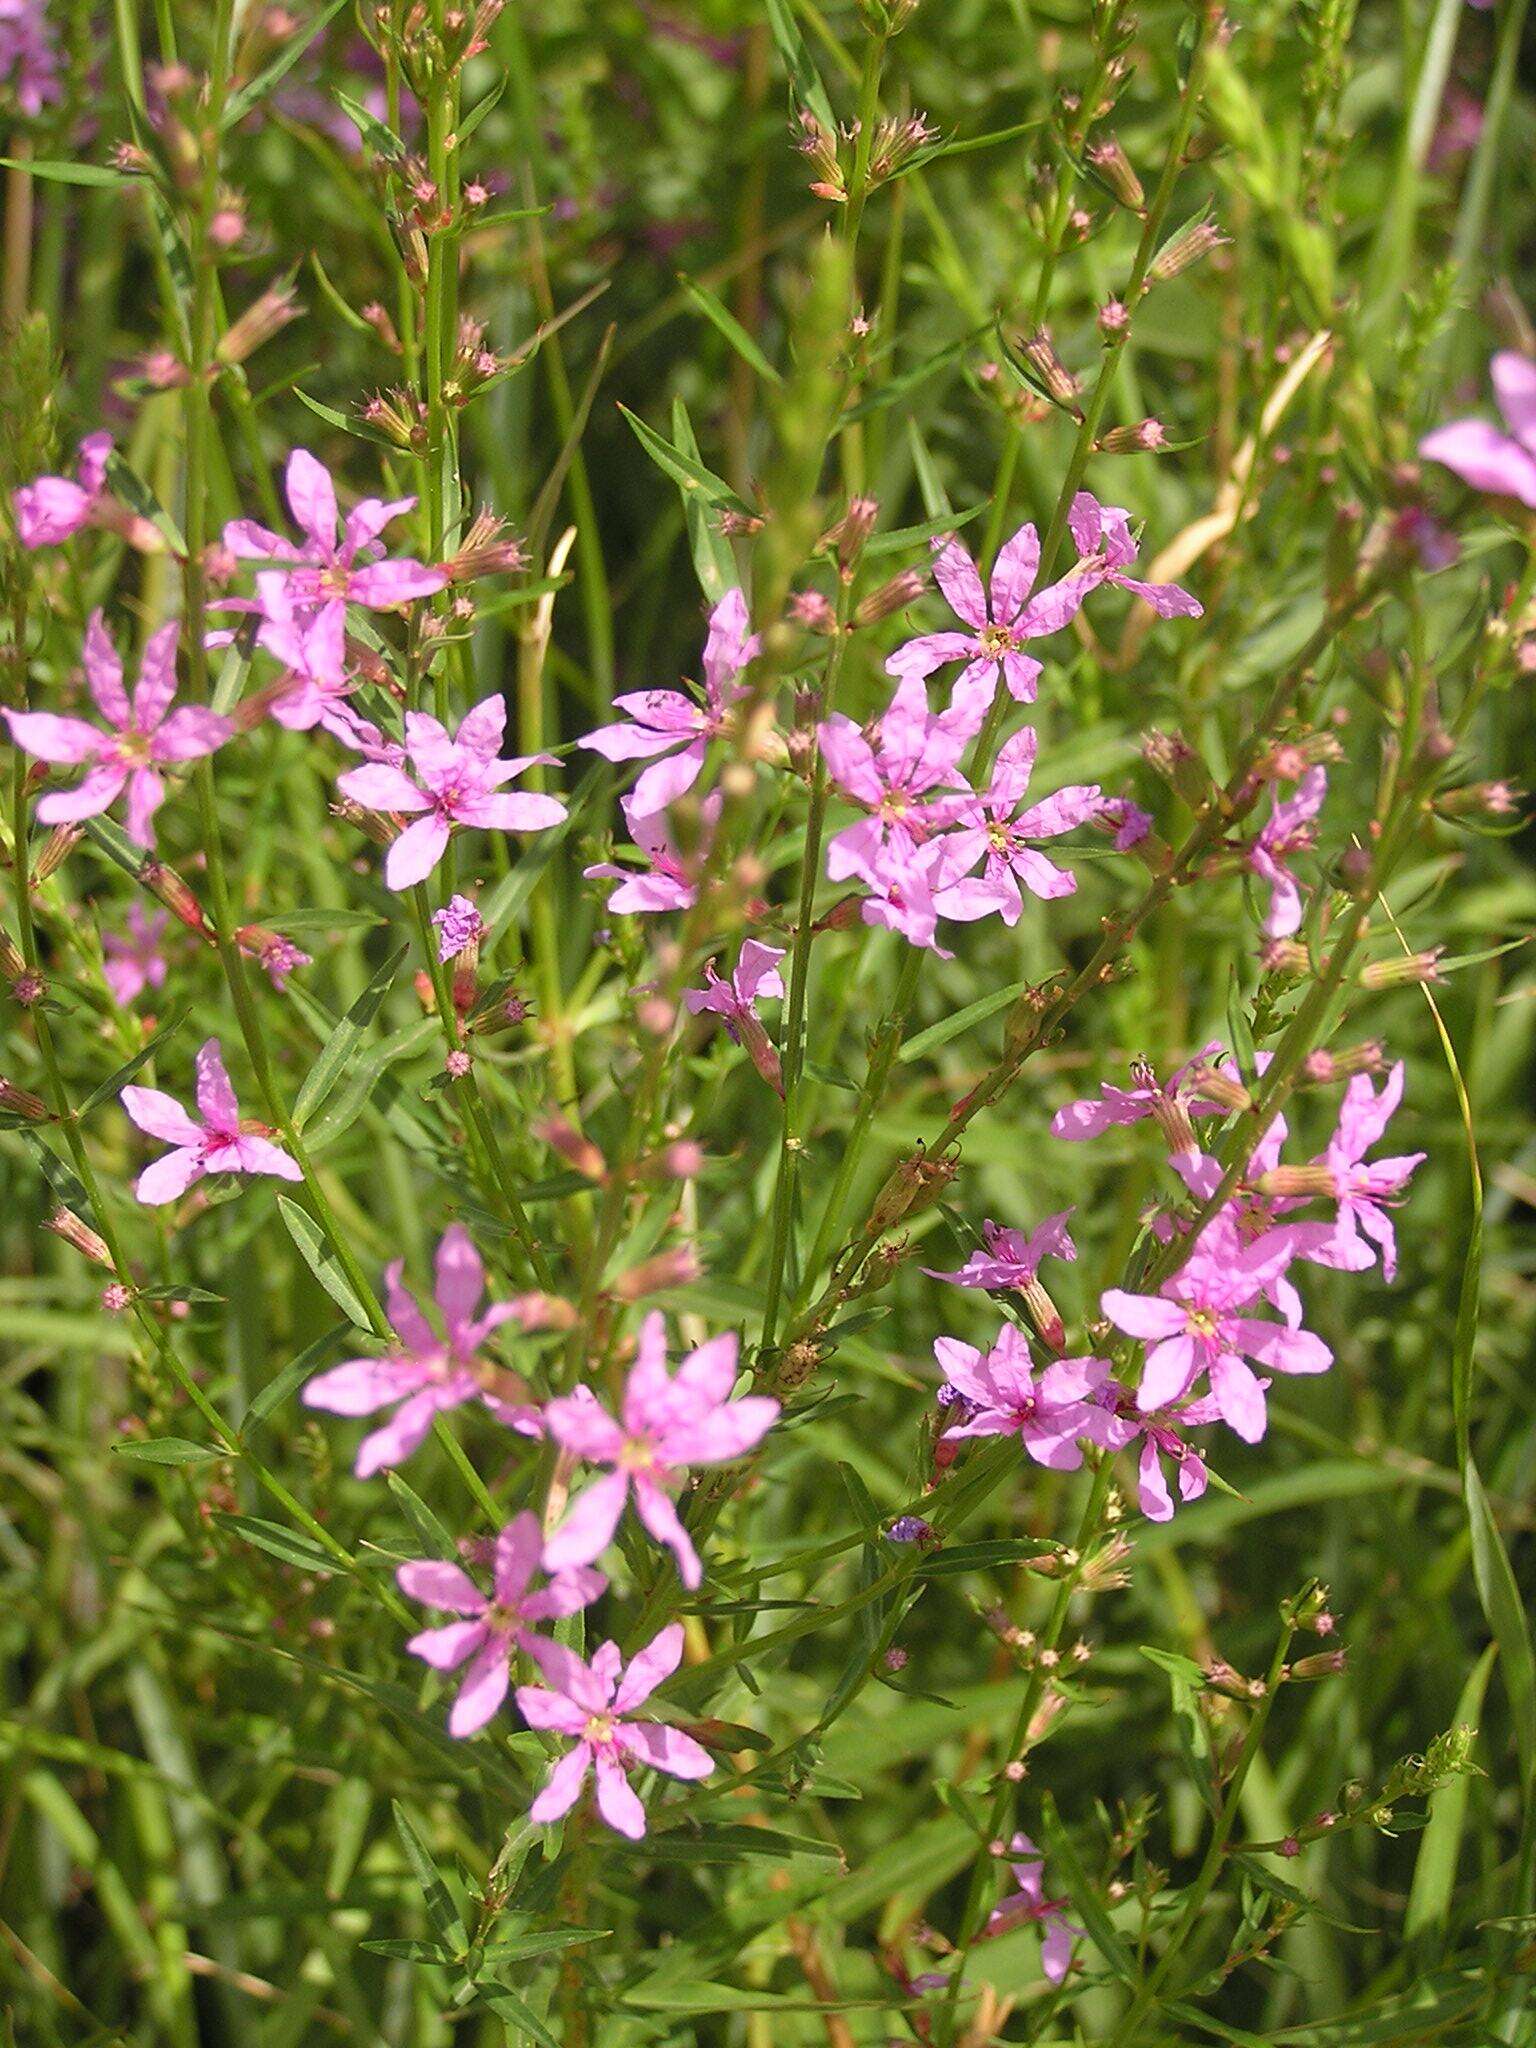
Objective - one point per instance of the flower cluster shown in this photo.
(930, 845)
(668, 1423)
(1201, 1331)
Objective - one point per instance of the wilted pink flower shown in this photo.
(456, 782)
(999, 629)
(133, 960)
(1011, 1258)
(591, 1704)
(666, 722)
(321, 570)
(137, 736)
(1131, 822)
(670, 880)
(459, 926)
(669, 1422)
(29, 60)
(993, 829)
(1478, 453)
(1161, 1438)
(1287, 831)
(1004, 1396)
(1178, 1097)
(1103, 536)
(1362, 1187)
(1195, 1325)
(51, 508)
(494, 1628)
(913, 751)
(735, 1003)
(216, 1145)
(427, 1375)
(1029, 1903)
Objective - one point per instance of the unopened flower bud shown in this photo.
(1172, 756)
(1113, 166)
(1146, 437)
(1182, 250)
(488, 549)
(809, 608)
(1481, 799)
(902, 590)
(1113, 318)
(1052, 374)
(1286, 957)
(22, 1102)
(1411, 970)
(167, 887)
(269, 315)
(1322, 1066)
(676, 1268)
(575, 1149)
(1302, 1183)
(56, 849)
(1324, 1665)
(848, 537)
(74, 1230)
(1216, 1084)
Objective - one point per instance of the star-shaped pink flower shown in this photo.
(668, 723)
(138, 736)
(591, 1704)
(453, 780)
(1001, 620)
(217, 1144)
(428, 1374)
(491, 1629)
(667, 1423)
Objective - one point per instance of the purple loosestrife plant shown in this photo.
(673, 1651)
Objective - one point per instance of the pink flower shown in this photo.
(311, 644)
(216, 1145)
(668, 1423)
(1012, 1259)
(1003, 1396)
(1161, 1438)
(999, 629)
(993, 829)
(908, 887)
(1103, 536)
(668, 723)
(456, 782)
(322, 570)
(912, 752)
(670, 880)
(428, 1375)
(1287, 831)
(28, 58)
(1364, 1187)
(1478, 453)
(735, 1003)
(1029, 1903)
(494, 1629)
(51, 508)
(1194, 1325)
(137, 735)
(591, 1704)
(134, 961)
(1178, 1098)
